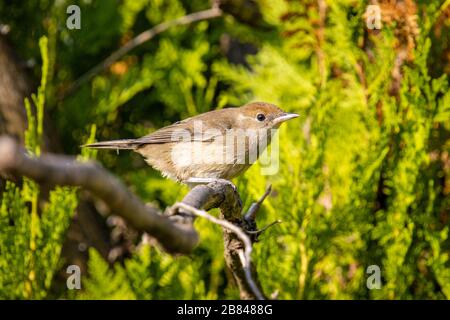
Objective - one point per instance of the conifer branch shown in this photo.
(143, 37)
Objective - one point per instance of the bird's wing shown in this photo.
(181, 130)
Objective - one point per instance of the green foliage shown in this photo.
(152, 274)
(327, 193)
(31, 235)
(363, 175)
(33, 136)
(105, 284)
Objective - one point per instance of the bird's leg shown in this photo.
(194, 180)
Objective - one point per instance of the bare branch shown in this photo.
(61, 170)
(223, 194)
(174, 237)
(143, 37)
(265, 228)
(244, 256)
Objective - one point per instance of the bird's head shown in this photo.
(261, 115)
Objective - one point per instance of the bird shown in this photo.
(216, 145)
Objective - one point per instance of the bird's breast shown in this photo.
(224, 156)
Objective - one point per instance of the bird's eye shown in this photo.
(260, 117)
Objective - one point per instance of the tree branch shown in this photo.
(239, 230)
(61, 170)
(222, 194)
(244, 255)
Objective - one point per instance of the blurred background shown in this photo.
(364, 173)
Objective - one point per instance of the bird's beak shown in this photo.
(285, 117)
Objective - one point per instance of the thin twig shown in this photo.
(145, 36)
(255, 206)
(265, 228)
(245, 255)
(245, 260)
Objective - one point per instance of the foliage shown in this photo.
(363, 175)
(31, 235)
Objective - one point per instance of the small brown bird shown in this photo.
(219, 144)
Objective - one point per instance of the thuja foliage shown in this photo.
(358, 183)
(363, 175)
(31, 232)
(357, 187)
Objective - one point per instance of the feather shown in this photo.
(126, 144)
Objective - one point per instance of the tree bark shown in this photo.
(14, 87)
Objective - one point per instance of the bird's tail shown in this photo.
(126, 144)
